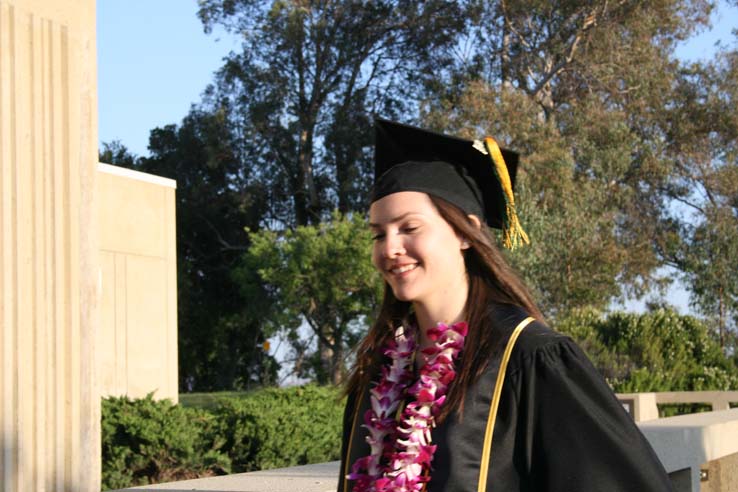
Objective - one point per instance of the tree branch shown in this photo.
(225, 245)
(589, 22)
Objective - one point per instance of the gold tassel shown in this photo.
(513, 234)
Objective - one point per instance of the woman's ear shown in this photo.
(475, 220)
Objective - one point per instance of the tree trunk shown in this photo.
(337, 363)
(326, 356)
(721, 321)
(307, 207)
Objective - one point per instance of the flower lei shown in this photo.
(401, 451)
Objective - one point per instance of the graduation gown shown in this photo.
(559, 427)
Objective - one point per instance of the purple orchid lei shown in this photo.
(401, 451)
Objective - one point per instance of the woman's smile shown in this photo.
(418, 253)
(401, 270)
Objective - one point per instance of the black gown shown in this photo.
(559, 426)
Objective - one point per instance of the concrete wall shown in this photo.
(138, 345)
(49, 399)
(692, 442)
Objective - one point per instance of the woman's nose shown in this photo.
(393, 246)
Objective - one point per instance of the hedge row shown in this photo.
(150, 441)
(660, 350)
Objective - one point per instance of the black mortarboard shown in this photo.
(463, 172)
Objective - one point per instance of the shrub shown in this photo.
(657, 351)
(148, 441)
(274, 427)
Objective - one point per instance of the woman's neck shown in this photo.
(448, 309)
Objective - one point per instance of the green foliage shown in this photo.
(220, 336)
(656, 351)
(307, 82)
(629, 155)
(320, 274)
(274, 428)
(208, 401)
(117, 154)
(148, 441)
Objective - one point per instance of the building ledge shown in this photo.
(322, 477)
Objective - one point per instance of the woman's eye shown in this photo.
(377, 236)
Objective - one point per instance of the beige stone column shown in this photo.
(49, 401)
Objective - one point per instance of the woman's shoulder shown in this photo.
(505, 318)
(537, 343)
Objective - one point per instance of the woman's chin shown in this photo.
(403, 295)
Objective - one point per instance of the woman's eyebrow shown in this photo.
(395, 219)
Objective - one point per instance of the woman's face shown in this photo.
(415, 249)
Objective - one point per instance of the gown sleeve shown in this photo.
(573, 433)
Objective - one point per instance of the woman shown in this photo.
(459, 386)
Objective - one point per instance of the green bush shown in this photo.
(657, 351)
(274, 428)
(150, 441)
(208, 401)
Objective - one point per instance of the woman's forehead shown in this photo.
(401, 205)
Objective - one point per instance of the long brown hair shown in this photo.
(491, 281)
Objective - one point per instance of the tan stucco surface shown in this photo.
(49, 398)
(138, 346)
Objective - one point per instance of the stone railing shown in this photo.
(644, 406)
(699, 450)
(322, 477)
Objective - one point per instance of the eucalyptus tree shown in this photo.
(307, 80)
(701, 233)
(583, 90)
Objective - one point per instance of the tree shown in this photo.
(220, 337)
(701, 237)
(321, 275)
(117, 154)
(309, 77)
(580, 89)
(710, 265)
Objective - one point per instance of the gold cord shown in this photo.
(487, 449)
(513, 234)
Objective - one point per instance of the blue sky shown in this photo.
(154, 61)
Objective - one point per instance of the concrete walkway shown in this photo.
(322, 477)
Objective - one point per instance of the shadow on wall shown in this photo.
(20, 472)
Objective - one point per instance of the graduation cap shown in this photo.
(476, 176)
